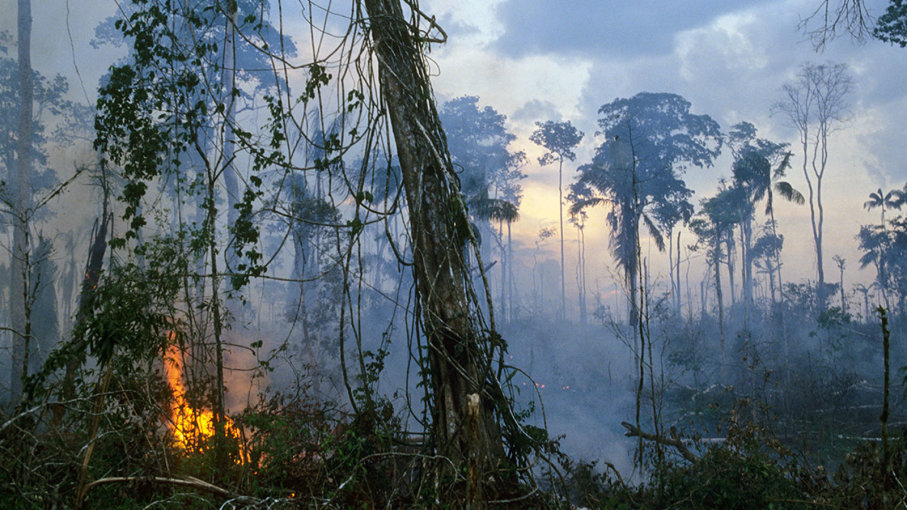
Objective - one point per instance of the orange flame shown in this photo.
(190, 426)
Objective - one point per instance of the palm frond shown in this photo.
(787, 191)
(655, 232)
(579, 205)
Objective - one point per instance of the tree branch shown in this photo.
(190, 482)
(673, 441)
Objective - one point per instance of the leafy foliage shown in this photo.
(892, 26)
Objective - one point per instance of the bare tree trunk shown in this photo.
(674, 289)
(509, 272)
(720, 298)
(560, 209)
(732, 288)
(746, 234)
(581, 283)
(218, 323)
(464, 392)
(229, 137)
(18, 296)
(677, 273)
(504, 263)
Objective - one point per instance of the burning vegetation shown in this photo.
(193, 428)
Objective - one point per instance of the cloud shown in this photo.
(536, 110)
(595, 28)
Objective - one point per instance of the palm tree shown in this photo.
(754, 176)
(651, 139)
(484, 208)
(840, 262)
(874, 242)
(862, 289)
(893, 199)
(613, 177)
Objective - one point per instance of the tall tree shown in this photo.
(816, 105)
(489, 171)
(713, 226)
(559, 139)
(19, 288)
(766, 254)
(874, 242)
(758, 169)
(650, 141)
(580, 194)
(465, 392)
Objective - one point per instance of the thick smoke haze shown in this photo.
(243, 204)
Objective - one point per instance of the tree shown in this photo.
(713, 226)
(874, 241)
(759, 165)
(841, 262)
(650, 140)
(766, 255)
(880, 200)
(559, 139)
(28, 96)
(816, 105)
(489, 172)
(892, 26)
(579, 194)
(863, 289)
(166, 118)
(853, 17)
(19, 263)
(465, 393)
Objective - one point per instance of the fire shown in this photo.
(190, 426)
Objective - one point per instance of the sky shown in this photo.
(537, 60)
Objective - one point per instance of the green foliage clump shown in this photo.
(727, 478)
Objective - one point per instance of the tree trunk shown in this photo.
(720, 299)
(18, 297)
(510, 314)
(746, 231)
(674, 289)
(560, 209)
(229, 137)
(677, 273)
(93, 267)
(502, 302)
(732, 288)
(581, 262)
(464, 391)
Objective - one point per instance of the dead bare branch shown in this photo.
(673, 441)
(190, 482)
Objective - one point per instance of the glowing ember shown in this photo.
(190, 426)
